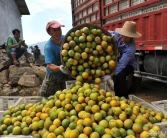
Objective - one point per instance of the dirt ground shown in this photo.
(150, 91)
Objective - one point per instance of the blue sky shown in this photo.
(42, 11)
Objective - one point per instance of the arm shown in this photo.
(115, 36)
(126, 57)
(49, 59)
(25, 45)
(10, 43)
(53, 67)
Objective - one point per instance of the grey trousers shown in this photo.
(51, 84)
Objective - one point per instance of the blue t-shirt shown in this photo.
(126, 54)
(52, 55)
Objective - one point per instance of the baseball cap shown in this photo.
(53, 24)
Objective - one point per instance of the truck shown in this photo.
(151, 19)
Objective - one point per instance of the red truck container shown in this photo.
(151, 19)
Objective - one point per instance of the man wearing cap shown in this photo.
(55, 73)
(126, 62)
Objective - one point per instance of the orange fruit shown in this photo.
(50, 135)
(109, 49)
(137, 128)
(97, 80)
(74, 133)
(87, 130)
(112, 63)
(144, 134)
(85, 75)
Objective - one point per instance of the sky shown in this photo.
(42, 11)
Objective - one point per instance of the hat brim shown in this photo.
(128, 34)
(57, 26)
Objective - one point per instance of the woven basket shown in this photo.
(78, 27)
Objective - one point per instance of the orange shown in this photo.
(85, 75)
(84, 55)
(38, 114)
(74, 133)
(98, 48)
(52, 128)
(78, 107)
(35, 119)
(97, 80)
(94, 135)
(79, 78)
(144, 134)
(87, 130)
(87, 122)
(51, 135)
(44, 116)
(57, 122)
(112, 63)
(128, 123)
(137, 128)
(109, 49)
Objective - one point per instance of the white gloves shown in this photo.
(106, 78)
(64, 69)
(114, 38)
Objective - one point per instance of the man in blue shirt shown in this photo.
(126, 62)
(55, 78)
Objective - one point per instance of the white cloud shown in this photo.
(42, 11)
(37, 6)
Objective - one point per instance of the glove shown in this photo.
(64, 69)
(114, 38)
(106, 78)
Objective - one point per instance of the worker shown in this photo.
(16, 47)
(55, 72)
(126, 62)
(36, 52)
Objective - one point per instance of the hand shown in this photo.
(106, 78)
(64, 69)
(112, 74)
(21, 42)
(114, 38)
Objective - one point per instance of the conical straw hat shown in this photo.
(128, 29)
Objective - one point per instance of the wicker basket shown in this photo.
(90, 26)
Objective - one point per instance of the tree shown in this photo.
(31, 48)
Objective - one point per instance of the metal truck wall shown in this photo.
(10, 19)
(85, 11)
(150, 15)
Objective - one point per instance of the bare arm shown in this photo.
(25, 45)
(14, 46)
(53, 67)
(11, 45)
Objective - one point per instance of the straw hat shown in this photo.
(128, 29)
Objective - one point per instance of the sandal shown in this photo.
(16, 63)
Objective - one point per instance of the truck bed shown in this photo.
(150, 15)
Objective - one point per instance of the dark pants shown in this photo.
(18, 51)
(120, 82)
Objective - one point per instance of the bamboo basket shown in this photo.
(90, 26)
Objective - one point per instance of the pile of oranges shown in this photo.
(88, 53)
(83, 111)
